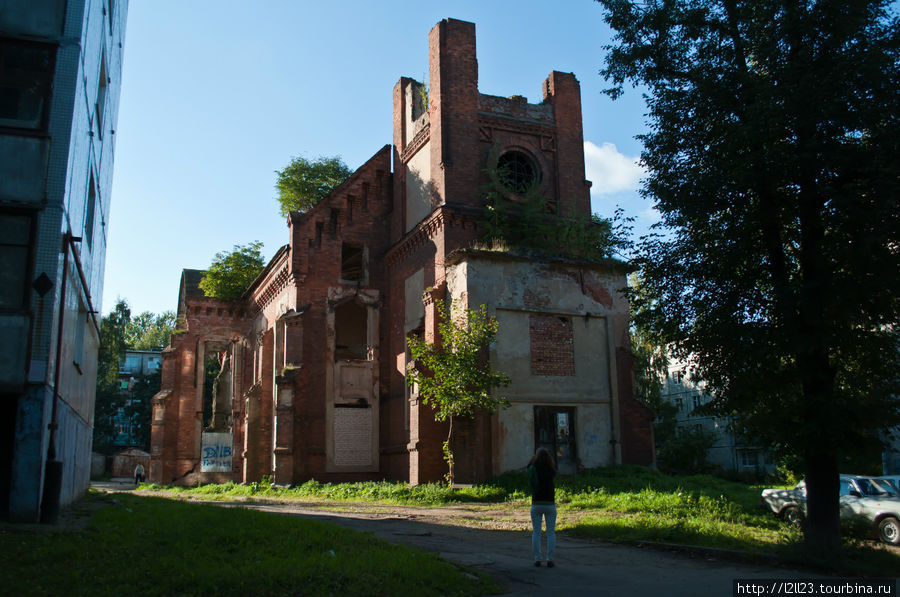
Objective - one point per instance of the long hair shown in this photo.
(543, 458)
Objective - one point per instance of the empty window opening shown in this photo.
(517, 171)
(352, 263)
(554, 429)
(350, 332)
(212, 368)
(333, 221)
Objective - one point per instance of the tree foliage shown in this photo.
(303, 183)
(772, 157)
(149, 331)
(231, 273)
(120, 332)
(455, 377)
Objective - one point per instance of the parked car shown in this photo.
(894, 480)
(787, 504)
(867, 501)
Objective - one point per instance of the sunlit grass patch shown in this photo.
(153, 546)
(698, 530)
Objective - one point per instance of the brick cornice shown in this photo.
(447, 215)
(516, 125)
(423, 232)
(278, 283)
(416, 144)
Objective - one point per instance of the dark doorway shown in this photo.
(7, 449)
(554, 429)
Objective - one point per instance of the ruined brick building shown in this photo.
(313, 359)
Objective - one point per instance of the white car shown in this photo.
(787, 504)
(867, 501)
(894, 480)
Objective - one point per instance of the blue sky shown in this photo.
(217, 95)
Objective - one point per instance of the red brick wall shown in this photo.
(552, 345)
(635, 418)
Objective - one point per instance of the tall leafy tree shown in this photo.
(231, 273)
(149, 331)
(454, 376)
(303, 183)
(774, 131)
(108, 396)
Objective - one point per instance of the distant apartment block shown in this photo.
(60, 74)
(127, 421)
(730, 452)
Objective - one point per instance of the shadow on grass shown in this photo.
(857, 558)
(156, 546)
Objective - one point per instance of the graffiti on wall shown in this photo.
(216, 453)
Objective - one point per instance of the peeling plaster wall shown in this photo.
(515, 290)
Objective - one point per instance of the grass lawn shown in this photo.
(137, 545)
(624, 503)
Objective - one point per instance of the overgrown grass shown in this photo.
(428, 494)
(152, 546)
(624, 503)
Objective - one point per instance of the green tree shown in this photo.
(774, 130)
(455, 377)
(303, 183)
(149, 331)
(108, 397)
(230, 274)
(140, 408)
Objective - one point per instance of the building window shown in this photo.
(552, 345)
(26, 71)
(102, 85)
(554, 429)
(517, 171)
(89, 215)
(352, 263)
(748, 459)
(16, 231)
(696, 400)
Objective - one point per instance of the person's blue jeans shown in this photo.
(548, 513)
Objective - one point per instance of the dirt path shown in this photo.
(497, 542)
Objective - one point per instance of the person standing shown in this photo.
(541, 471)
(138, 474)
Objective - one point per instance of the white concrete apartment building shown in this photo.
(60, 74)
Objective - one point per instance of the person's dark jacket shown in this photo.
(540, 482)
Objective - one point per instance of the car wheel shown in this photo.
(792, 515)
(889, 530)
